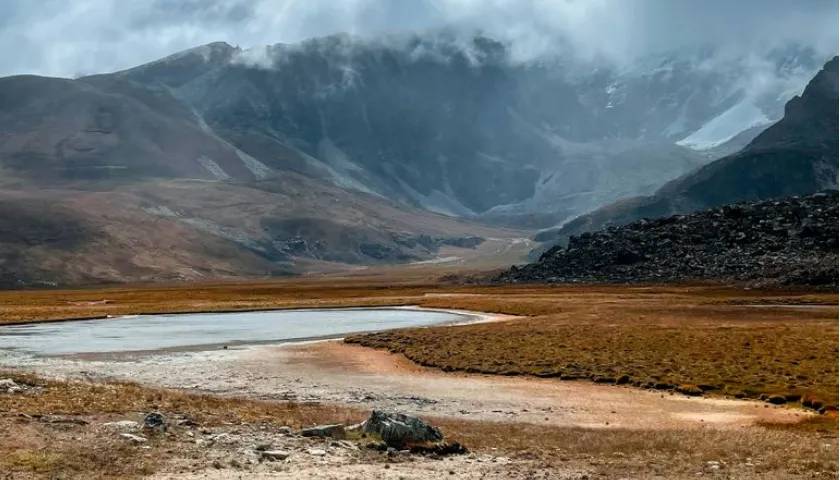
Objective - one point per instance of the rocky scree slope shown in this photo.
(785, 242)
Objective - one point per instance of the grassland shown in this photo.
(695, 340)
(727, 341)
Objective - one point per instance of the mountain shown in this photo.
(795, 156)
(105, 180)
(218, 162)
(419, 118)
(792, 241)
(57, 130)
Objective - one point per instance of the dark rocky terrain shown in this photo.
(795, 156)
(782, 242)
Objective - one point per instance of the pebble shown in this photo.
(10, 386)
(154, 421)
(133, 438)
(122, 425)
(276, 454)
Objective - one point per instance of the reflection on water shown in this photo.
(153, 332)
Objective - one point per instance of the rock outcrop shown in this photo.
(398, 430)
(785, 242)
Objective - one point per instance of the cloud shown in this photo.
(73, 37)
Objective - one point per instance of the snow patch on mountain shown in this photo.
(213, 168)
(436, 201)
(259, 169)
(742, 116)
(345, 170)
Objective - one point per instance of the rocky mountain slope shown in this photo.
(104, 180)
(784, 242)
(417, 119)
(795, 156)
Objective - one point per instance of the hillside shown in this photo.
(785, 242)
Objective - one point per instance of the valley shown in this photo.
(508, 421)
(471, 240)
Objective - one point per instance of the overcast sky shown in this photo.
(73, 37)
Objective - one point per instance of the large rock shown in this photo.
(398, 430)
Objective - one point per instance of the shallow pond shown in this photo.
(155, 332)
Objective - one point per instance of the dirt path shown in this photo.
(348, 373)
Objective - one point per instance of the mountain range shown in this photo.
(220, 161)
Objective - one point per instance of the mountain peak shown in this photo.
(209, 52)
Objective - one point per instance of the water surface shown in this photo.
(155, 332)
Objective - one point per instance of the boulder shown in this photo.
(398, 430)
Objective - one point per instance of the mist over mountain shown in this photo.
(219, 161)
(419, 119)
(83, 37)
(795, 156)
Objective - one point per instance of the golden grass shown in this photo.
(89, 398)
(45, 305)
(58, 457)
(648, 453)
(693, 338)
(19, 306)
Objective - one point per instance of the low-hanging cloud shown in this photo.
(74, 37)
